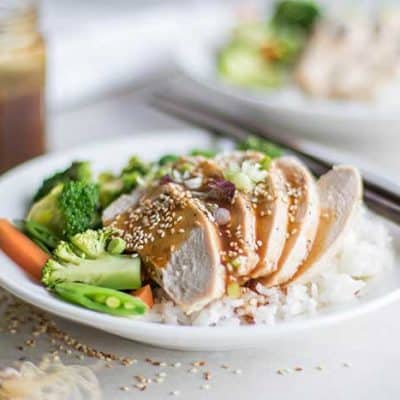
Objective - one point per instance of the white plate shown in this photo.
(287, 108)
(16, 189)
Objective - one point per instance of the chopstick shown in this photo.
(377, 196)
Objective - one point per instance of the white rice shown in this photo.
(366, 252)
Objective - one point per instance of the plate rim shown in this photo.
(122, 326)
(326, 108)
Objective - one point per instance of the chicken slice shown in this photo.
(340, 192)
(122, 203)
(239, 235)
(272, 223)
(304, 212)
(178, 244)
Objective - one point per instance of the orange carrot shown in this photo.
(21, 249)
(145, 294)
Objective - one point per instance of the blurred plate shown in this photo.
(287, 107)
(17, 187)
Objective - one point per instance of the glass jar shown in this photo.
(22, 83)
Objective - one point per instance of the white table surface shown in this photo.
(369, 344)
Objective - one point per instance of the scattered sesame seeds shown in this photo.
(175, 393)
(198, 363)
(177, 364)
(207, 375)
(346, 364)
(140, 386)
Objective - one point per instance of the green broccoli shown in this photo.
(206, 153)
(69, 208)
(112, 186)
(168, 159)
(261, 145)
(92, 258)
(297, 14)
(77, 171)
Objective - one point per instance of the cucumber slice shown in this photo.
(245, 66)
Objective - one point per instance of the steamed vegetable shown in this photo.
(112, 186)
(300, 14)
(21, 249)
(78, 171)
(39, 234)
(261, 145)
(206, 153)
(69, 208)
(262, 54)
(95, 258)
(145, 294)
(101, 299)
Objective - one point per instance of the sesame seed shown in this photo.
(206, 386)
(346, 365)
(175, 393)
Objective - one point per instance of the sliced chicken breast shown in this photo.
(304, 212)
(340, 192)
(238, 236)
(122, 203)
(178, 244)
(272, 223)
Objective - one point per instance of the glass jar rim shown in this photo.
(14, 10)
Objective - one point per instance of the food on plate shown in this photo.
(21, 249)
(206, 238)
(351, 59)
(69, 208)
(325, 55)
(107, 301)
(95, 258)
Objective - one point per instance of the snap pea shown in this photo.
(39, 234)
(108, 301)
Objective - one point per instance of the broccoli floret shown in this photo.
(136, 165)
(298, 14)
(261, 145)
(78, 171)
(112, 186)
(94, 264)
(91, 243)
(69, 208)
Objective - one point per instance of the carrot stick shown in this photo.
(145, 294)
(21, 249)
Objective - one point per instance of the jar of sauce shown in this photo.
(22, 83)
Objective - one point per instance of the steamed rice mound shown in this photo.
(366, 253)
